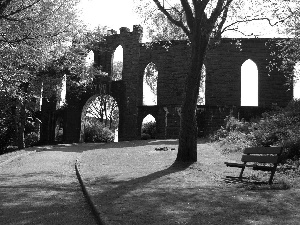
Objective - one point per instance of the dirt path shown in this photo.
(41, 188)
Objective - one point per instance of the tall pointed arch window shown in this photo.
(201, 96)
(296, 83)
(249, 84)
(117, 64)
(150, 85)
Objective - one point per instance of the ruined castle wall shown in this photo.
(223, 82)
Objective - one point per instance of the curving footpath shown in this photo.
(40, 187)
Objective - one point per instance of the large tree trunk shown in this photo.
(21, 126)
(187, 149)
(22, 116)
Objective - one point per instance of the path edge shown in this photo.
(88, 198)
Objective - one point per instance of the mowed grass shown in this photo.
(131, 183)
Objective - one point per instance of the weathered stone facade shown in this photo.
(223, 83)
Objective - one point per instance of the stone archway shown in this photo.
(100, 109)
(148, 129)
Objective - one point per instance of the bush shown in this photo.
(31, 139)
(280, 127)
(145, 136)
(150, 129)
(96, 132)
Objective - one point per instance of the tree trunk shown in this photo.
(21, 126)
(22, 116)
(187, 149)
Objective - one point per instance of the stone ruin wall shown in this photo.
(223, 83)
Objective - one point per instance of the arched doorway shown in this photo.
(148, 130)
(99, 119)
(249, 84)
(150, 84)
(117, 64)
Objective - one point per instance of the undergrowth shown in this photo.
(279, 127)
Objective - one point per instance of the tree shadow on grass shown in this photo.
(30, 199)
(164, 197)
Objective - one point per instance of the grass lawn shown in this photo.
(131, 183)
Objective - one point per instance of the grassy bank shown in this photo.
(132, 183)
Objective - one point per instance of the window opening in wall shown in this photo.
(117, 64)
(148, 128)
(249, 84)
(100, 119)
(59, 130)
(61, 92)
(201, 96)
(150, 85)
(91, 68)
(89, 59)
(296, 88)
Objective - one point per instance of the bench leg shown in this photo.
(271, 177)
(241, 174)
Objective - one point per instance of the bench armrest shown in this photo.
(240, 165)
(263, 168)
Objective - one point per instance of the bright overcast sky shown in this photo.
(120, 13)
(111, 13)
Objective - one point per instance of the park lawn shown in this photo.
(131, 183)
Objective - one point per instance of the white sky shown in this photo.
(111, 13)
(120, 13)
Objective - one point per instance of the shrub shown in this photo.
(31, 139)
(150, 129)
(234, 136)
(280, 127)
(96, 132)
(145, 136)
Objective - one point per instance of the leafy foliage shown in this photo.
(97, 132)
(149, 130)
(117, 70)
(279, 127)
(151, 76)
(105, 109)
(37, 48)
(31, 139)
(157, 26)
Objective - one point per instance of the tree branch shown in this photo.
(174, 21)
(3, 5)
(23, 8)
(217, 11)
(188, 13)
(253, 19)
(218, 31)
(202, 5)
(244, 34)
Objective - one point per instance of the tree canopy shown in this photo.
(35, 40)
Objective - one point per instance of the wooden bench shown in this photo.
(258, 156)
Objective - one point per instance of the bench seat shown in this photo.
(261, 155)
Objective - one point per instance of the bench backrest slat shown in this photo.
(263, 150)
(259, 159)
